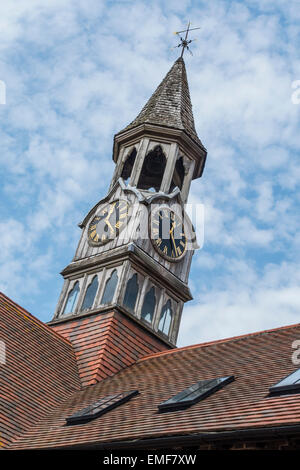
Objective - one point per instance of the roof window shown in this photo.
(194, 393)
(100, 407)
(290, 384)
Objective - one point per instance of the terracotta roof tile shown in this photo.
(257, 361)
(106, 343)
(218, 341)
(33, 377)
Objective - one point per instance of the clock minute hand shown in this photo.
(109, 224)
(172, 238)
(109, 213)
(106, 220)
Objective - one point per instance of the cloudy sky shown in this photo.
(78, 71)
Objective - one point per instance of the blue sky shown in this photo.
(78, 71)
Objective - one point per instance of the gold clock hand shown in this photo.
(106, 220)
(110, 212)
(109, 224)
(174, 244)
(172, 238)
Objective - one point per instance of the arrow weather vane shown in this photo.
(184, 43)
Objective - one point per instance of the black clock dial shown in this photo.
(108, 223)
(167, 234)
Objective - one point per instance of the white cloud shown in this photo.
(248, 303)
(77, 72)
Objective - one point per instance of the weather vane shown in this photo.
(184, 43)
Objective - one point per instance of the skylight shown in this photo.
(100, 407)
(194, 393)
(290, 384)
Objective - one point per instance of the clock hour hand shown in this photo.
(110, 212)
(110, 226)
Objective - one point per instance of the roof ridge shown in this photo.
(100, 357)
(218, 341)
(28, 316)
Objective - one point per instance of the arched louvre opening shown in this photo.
(90, 294)
(149, 306)
(165, 318)
(153, 170)
(110, 288)
(131, 293)
(72, 298)
(178, 175)
(128, 166)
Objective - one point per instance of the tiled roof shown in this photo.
(170, 105)
(39, 370)
(257, 361)
(106, 343)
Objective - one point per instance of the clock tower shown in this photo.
(134, 255)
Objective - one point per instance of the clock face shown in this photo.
(108, 223)
(167, 234)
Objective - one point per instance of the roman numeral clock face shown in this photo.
(167, 234)
(108, 223)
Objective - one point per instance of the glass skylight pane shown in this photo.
(291, 382)
(100, 407)
(194, 393)
(201, 389)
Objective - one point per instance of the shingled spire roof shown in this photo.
(170, 105)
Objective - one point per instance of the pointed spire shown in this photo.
(170, 105)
